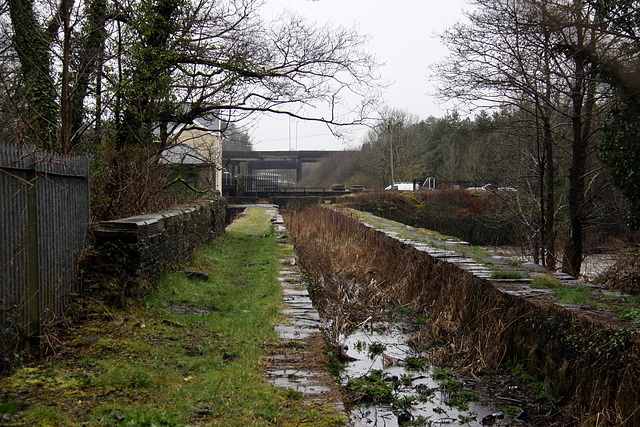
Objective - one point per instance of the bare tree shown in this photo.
(224, 59)
(171, 61)
(513, 54)
(502, 58)
(574, 24)
(136, 71)
(394, 150)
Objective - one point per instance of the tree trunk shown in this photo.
(574, 249)
(549, 172)
(32, 45)
(64, 142)
(549, 197)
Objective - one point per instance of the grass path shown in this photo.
(189, 354)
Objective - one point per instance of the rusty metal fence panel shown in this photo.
(44, 217)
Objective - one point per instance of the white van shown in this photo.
(403, 186)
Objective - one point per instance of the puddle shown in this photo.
(380, 352)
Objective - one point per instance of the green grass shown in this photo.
(514, 262)
(507, 274)
(572, 295)
(166, 367)
(545, 281)
(480, 251)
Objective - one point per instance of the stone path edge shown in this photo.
(292, 367)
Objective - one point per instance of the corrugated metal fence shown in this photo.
(44, 217)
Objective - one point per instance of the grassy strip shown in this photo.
(189, 354)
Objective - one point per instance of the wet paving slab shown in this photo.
(300, 331)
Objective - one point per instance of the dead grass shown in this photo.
(624, 275)
(595, 363)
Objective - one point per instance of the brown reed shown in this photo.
(595, 362)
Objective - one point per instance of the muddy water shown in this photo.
(418, 398)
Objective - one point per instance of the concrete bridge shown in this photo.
(250, 162)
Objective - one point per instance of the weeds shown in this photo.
(572, 295)
(406, 379)
(451, 385)
(507, 274)
(466, 419)
(480, 251)
(623, 275)
(370, 388)
(335, 365)
(441, 373)
(461, 399)
(420, 320)
(512, 410)
(470, 319)
(414, 363)
(376, 349)
(543, 390)
(630, 314)
(514, 262)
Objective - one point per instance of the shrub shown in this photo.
(478, 219)
(624, 274)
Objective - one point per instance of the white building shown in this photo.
(199, 146)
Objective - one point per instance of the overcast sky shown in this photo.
(403, 37)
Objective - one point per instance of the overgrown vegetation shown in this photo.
(624, 275)
(591, 360)
(479, 219)
(371, 388)
(545, 281)
(188, 354)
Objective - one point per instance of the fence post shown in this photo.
(33, 271)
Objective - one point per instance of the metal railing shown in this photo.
(264, 186)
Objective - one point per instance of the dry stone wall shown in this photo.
(131, 254)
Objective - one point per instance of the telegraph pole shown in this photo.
(391, 154)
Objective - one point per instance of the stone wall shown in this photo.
(131, 254)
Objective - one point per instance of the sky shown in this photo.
(403, 37)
